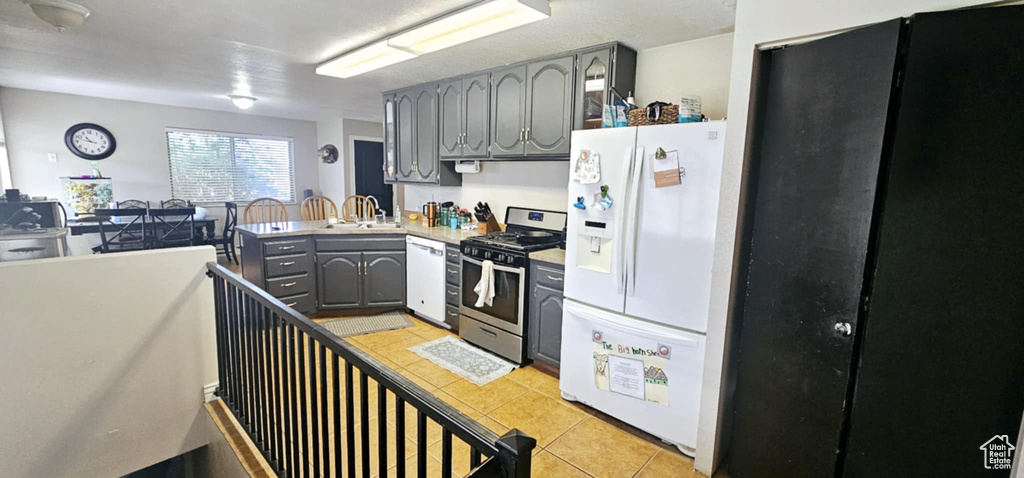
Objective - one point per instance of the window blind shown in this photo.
(209, 166)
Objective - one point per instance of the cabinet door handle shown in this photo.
(292, 304)
(285, 248)
(521, 133)
(453, 314)
(556, 279)
(453, 293)
(488, 332)
(290, 284)
(527, 138)
(453, 272)
(285, 264)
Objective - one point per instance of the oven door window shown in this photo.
(506, 292)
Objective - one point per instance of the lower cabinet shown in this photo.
(354, 280)
(453, 287)
(544, 343)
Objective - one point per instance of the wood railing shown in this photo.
(281, 375)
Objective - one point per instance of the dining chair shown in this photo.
(355, 208)
(175, 203)
(264, 210)
(132, 204)
(227, 237)
(318, 208)
(128, 226)
(173, 227)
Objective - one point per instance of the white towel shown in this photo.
(485, 288)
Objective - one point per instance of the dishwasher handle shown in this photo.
(428, 249)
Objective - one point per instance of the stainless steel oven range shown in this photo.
(500, 327)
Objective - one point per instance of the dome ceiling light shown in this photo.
(61, 14)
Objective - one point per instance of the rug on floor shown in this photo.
(362, 325)
(473, 364)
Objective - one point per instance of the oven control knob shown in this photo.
(501, 257)
(487, 254)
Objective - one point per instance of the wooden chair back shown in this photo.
(173, 227)
(355, 208)
(318, 208)
(175, 204)
(264, 210)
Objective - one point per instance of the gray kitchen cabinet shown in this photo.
(544, 342)
(450, 120)
(390, 139)
(405, 107)
(425, 134)
(508, 111)
(339, 278)
(599, 72)
(476, 96)
(383, 279)
(453, 289)
(549, 96)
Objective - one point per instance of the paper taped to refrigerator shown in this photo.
(637, 372)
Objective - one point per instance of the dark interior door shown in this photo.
(822, 134)
(369, 157)
(942, 361)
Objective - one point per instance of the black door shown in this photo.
(942, 359)
(822, 125)
(370, 173)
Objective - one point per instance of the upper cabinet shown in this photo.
(390, 144)
(522, 111)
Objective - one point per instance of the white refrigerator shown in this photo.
(638, 273)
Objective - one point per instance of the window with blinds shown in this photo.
(208, 166)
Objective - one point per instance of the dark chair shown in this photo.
(173, 227)
(175, 204)
(126, 227)
(227, 238)
(133, 204)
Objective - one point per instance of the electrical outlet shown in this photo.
(52, 157)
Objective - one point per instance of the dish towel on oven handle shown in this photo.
(485, 288)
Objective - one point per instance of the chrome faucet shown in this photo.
(378, 215)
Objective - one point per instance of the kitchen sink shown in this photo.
(370, 225)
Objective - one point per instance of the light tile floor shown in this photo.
(572, 440)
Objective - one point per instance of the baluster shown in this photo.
(275, 388)
(233, 376)
(218, 304)
(474, 458)
(250, 341)
(446, 453)
(350, 432)
(335, 379)
(324, 406)
(421, 444)
(303, 404)
(248, 360)
(314, 422)
(261, 406)
(293, 401)
(400, 436)
(382, 429)
(364, 420)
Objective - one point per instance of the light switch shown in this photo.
(52, 157)
(595, 244)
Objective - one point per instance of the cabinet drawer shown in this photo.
(451, 316)
(391, 243)
(454, 256)
(287, 265)
(451, 295)
(292, 285)
(548, 277)
(493, 339)
(302, 303)
(287, 247)
(452, 273)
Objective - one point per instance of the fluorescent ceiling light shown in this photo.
(470, 23)
(243, 102)
(368, 58)
(475, 21)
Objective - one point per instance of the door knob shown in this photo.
(844, 329)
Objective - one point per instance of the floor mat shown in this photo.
(473, 364)
(350, 326)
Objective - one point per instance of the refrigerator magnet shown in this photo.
(665, 166)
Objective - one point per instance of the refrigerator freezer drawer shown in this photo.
(601, 371)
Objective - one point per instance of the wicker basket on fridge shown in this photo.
(669, 114)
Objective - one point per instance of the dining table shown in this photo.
(205, 228)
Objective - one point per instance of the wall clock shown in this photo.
(328, 153)
(90, 141)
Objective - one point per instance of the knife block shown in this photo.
(489, 226)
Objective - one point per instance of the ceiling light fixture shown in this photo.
(242, 102)
(470, 23)
(62, 14)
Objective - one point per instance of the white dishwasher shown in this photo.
(424, 278)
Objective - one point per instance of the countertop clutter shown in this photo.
(416, 228)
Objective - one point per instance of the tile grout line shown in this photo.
(648, 462)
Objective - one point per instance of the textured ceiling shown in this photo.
(194, 52)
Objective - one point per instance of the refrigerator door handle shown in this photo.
(633, 219)
(620, 267)
(577, 310)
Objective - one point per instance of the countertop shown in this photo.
(416, 228)
(306, 228)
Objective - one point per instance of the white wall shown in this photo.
(759, 22)
(109, 377)
(5, 166)
(535, 184)
(698, 67)
(35, 123)
(333, 177)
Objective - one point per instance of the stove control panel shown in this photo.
(496, 256)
